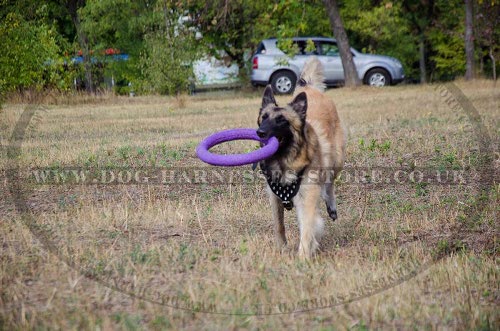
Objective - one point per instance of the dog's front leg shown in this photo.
(310, 222)
(278, 219)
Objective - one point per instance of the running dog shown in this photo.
(310, 156)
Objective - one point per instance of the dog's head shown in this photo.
(281, 122)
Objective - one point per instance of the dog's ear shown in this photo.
(268, 97)
(299, 104)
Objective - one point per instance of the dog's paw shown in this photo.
(332, 213)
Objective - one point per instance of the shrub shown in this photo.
(166, 63)
(29, 56)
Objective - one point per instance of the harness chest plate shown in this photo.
(284, 192)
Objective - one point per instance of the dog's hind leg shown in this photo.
(310, 222)
(328, 195)
(278, 219)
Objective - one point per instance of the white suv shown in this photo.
(271, 66)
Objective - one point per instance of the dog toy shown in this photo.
(270, 146)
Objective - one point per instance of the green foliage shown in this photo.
(287, 19)
(447, 40)
(35, 34)
(289, 48)
(382, 29)
(227, 25)
(111, 23)
(449, 57)
(161, 323)
(166, 63)
(29, 57)
(161, 49)
(238, 26)
(284, 19)
(374, 145)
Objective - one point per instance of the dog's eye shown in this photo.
(265, 116)
(281, 120)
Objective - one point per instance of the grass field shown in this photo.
(116, 253)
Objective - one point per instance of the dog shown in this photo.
(311, 149)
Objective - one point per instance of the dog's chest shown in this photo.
(284, 191)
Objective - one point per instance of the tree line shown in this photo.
(434, 39)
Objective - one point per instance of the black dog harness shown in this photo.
(284, 192)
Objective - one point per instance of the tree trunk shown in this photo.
(72, 6)
(169, 34)
(421, 60)
(494, 66)
(469, 41)
(350, 74)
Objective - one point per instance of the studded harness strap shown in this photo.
(285, 192)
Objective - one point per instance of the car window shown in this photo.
(306, 47)
(261, 49)
(329, 48)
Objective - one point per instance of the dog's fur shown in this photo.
(311, 138)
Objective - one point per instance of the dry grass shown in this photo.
(100, 256)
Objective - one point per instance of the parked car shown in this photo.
(270, 65)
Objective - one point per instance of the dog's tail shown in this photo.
(312, 75)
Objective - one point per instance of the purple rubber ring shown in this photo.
(270, 147)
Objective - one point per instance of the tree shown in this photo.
(382, 29)
(28, 57)
(420, 14)
(72, 7)
(169, 51)
(228, 26)
(33, 38)
(487, 33)
(350, 73)
(469, 40)
(122, 25)
(445, 37)
(426, 35)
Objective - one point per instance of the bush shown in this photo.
(29, 57)
(166, 63)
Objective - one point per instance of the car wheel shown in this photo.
(283, 82)
(377, 77)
